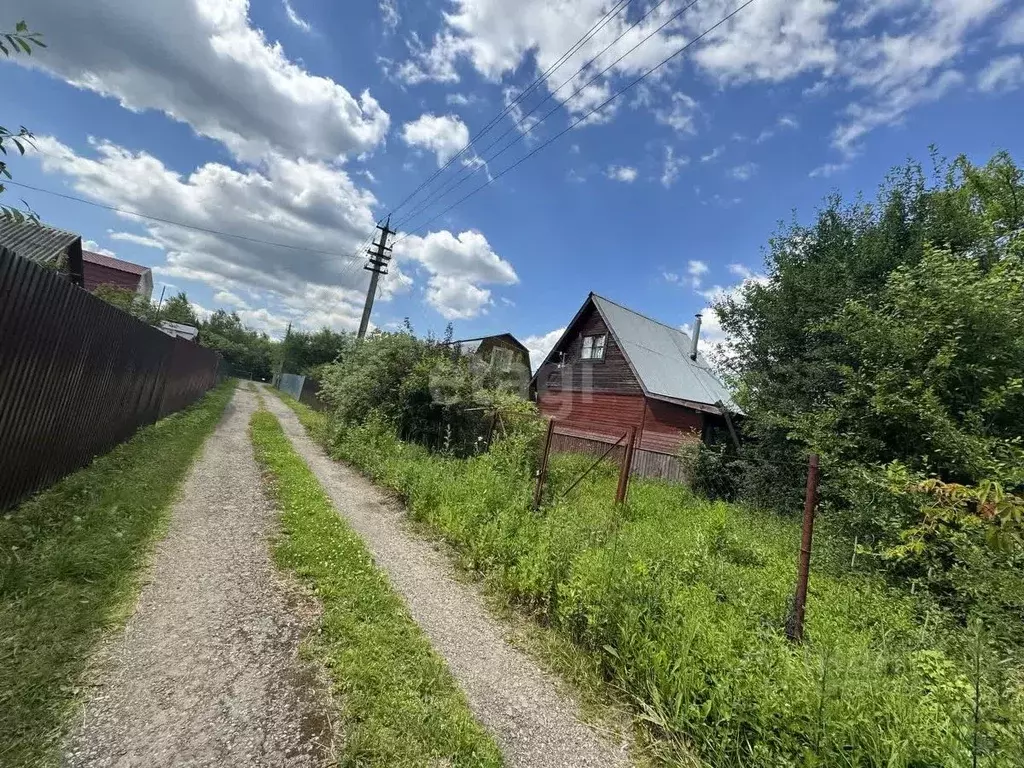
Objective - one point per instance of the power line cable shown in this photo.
(171, 222)
(581, 119)
(597, 27)
(455, 184)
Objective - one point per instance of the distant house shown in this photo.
(504, 352)
(614, 368)
(48, 245)
(106, 270)
(45, 245)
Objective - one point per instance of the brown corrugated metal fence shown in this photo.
(78, 376)
(649, 464)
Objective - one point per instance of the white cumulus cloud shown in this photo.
(541, 345)
(624, 173)
(204, 64)
(444, 135)
(130, 237)
(458, 267)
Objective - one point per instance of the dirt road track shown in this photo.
(205, 673)
(535, 726)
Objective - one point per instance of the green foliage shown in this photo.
(70, 559)
(889, 332)
(178, 309)
(245, 351)
(795, 339)
(128, 301)
(425, 387)
(684, 602)
(21, 40)
(936, 372)
(305, 353)
(400, 705)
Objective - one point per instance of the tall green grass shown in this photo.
(70, 560)
(399, 705)
(685, 602)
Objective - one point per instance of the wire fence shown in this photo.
(78, 376)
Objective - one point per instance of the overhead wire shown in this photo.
(594, 29)
(725, 19)
(462, 176)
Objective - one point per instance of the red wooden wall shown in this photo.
(667, 426)
(99, 274)
(606, 416)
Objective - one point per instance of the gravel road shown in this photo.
(205, 673)
(534, 725)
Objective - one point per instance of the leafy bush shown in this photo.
(889, 331)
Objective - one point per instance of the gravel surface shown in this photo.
(535, 725)
(206, 672)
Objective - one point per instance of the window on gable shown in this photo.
(593, 347)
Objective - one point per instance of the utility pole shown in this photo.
(380, 256)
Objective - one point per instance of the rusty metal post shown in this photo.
(795, 630)
(627, 463)
(542, 472)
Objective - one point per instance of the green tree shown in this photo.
(304, 353)
(20, 41)
(887, 338)
(246, 351)
(178, 309)
(790, 357)
(128, 301)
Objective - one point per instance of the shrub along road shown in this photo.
(534, 725)
(205, 672)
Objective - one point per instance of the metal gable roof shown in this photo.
(660, 357)
(112, 262)
(35, 242)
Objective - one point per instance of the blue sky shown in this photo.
(301, 123)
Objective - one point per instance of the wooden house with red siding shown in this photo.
(614, 368)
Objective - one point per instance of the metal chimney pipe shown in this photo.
(696, 337)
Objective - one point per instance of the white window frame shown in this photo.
(594, 346)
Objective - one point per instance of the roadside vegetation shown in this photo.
(398, 703)
(883, 336)
(246, 353)
(70, 560)
(684, 601)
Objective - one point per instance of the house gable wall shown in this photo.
(98, 274)
(610, 375)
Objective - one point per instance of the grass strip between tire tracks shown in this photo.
(399, 705)
(70, 561)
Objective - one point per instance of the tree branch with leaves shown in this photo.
(21, 42)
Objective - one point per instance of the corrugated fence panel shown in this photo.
(291, 384)
(78, 376)
(649, 464)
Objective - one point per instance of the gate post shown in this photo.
(627, 465)
(542, 472)
(795, 630)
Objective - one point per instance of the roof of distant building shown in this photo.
(469, 346)
(35, 241)
(112, 262)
